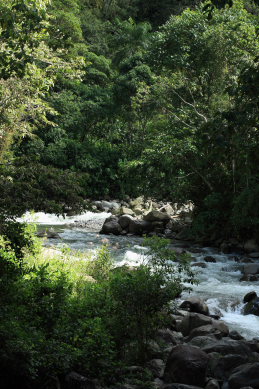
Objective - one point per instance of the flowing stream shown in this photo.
(219, 282)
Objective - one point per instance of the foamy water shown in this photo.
(219, 282)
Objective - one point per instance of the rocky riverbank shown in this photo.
(196, 350)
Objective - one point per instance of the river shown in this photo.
(218, 284)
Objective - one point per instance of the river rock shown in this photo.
(235, 335)
(168, 336)
(111, 226)
(138, 227)
(186, 365)
(252, 307)
(245, 375)
(205, 331)
(126, 211)
(124, 221)
(203, 341)
(192, 321)
(249, 296)
(154, 216)
(138, 202)
(195, 304)
(228, 346)
(222, 366)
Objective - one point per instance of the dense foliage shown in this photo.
(135, 97)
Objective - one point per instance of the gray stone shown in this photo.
(138, 227)
(193, 320)
(212, 384)
(228, 346)
(183, 359)
(252, 307)
(251, 246)
(125, 220)
(245, 375)
(249, 296)
(126, 211)
(195, 304)
(156, 216)
(111, 226)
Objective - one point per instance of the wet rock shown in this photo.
(158, 383)
(195, 304)
(210, 259)
(192, 321)
(252, 307)
(138, 227)
(126, 211)
(124, 221)
(250, 277)
(156, 216)
(222, 366)
(217, 328)
(203, 341)
(249, 296)
(228, 346)
(245, 375)
(183, 359)
(205, 331)
(111, 226)
(51, 234)
(235, 335)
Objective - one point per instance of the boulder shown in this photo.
(124, 221)
(203, 341)
(254, 255)
(186, 365)
(217, 328)
(154, 216)
(192, 321)
(245, 375)
(138, 227)
(111, 226)
(168, 336)
(195, 304)
(249, 296)
(228, 346)
(235, 335)
(222, 366)
(126, 211)
(252, 307)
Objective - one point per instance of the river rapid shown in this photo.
(218, 284)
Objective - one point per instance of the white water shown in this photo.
(219, 282)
